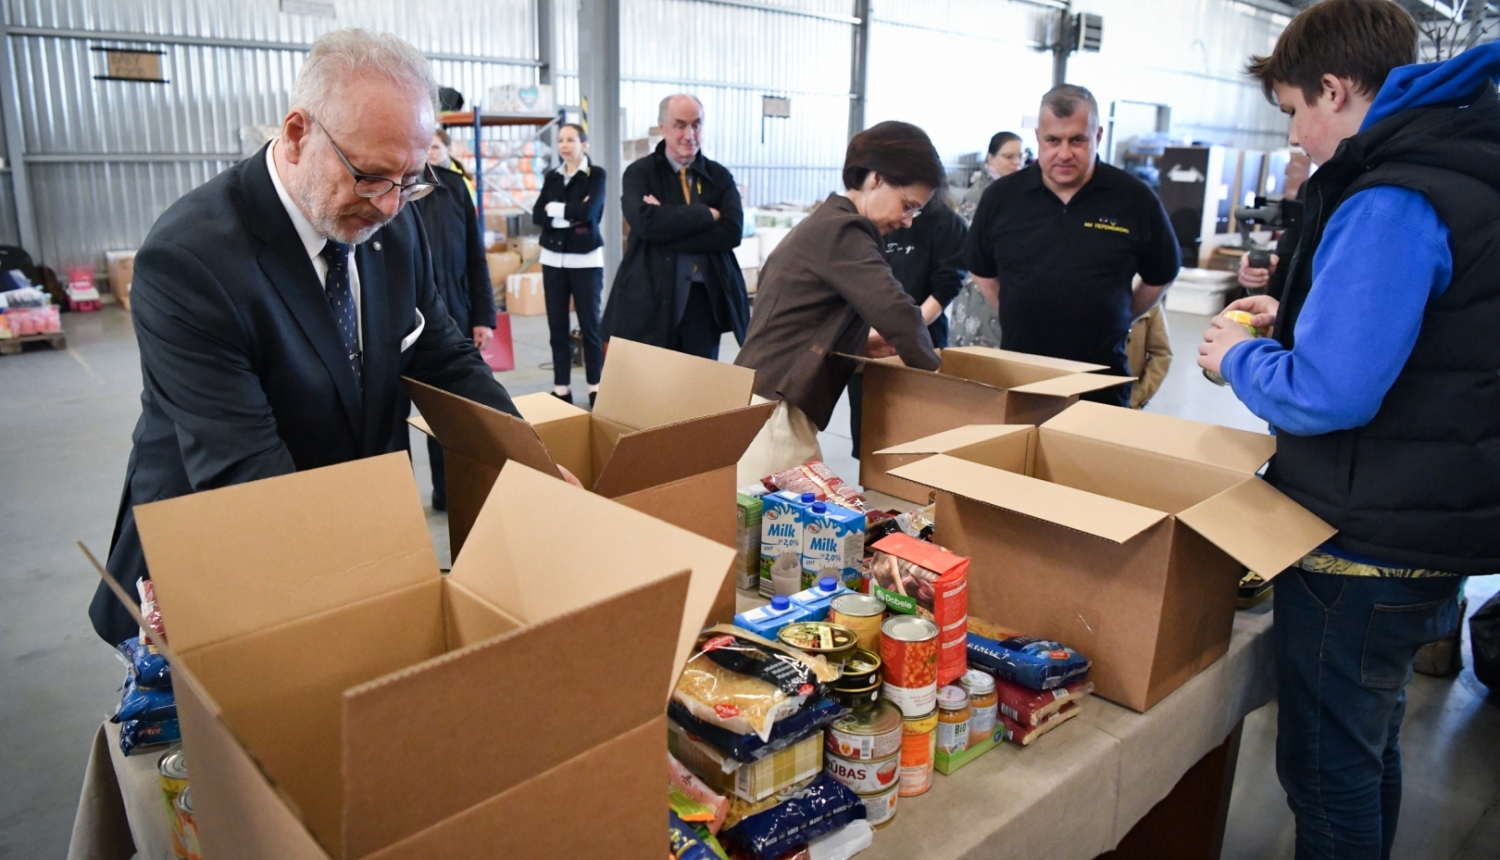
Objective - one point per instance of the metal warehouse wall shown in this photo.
(104, 158)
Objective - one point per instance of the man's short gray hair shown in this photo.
(1064, 99)
(661, 111)
(341, 55)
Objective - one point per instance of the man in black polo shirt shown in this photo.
(1066, 237)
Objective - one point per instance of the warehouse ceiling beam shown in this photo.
(247, 44)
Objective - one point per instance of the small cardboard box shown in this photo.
(502, 265)
(1117, 532)
(524, 296)
(121, 272)
(663, 438)
(341, 698)
(974, 385)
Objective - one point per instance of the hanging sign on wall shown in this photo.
(129, 64)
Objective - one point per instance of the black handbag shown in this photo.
(1484, 636)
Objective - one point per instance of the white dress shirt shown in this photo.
(556, 259)
(313, 242)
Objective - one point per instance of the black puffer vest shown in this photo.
(1419, 486)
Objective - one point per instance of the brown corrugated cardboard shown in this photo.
(973, 385)
(663, 438)
(524, 296)
(121, 272)
(344, 699)
(502, 265)
(1118, 532)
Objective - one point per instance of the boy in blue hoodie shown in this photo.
(1381, 379)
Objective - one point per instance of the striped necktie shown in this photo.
(341, 302)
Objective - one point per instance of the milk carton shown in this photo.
(817, 601)
(768, 620)
(833, 544)
(747, 538)
(782, 515)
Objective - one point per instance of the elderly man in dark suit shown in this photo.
(278, 305)
(679, 285)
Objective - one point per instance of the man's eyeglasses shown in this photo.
(369, 186)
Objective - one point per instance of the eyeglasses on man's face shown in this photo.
(370, 186)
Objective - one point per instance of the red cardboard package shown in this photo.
(914, 577)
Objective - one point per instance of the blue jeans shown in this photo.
(1344, 651)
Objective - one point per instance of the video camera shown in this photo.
(1270, 213)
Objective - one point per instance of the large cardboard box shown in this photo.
(1121, 533)
(974, 385)
(664, 438)
(524, 296)
(502, 265)
(341, 698)
(121, 273)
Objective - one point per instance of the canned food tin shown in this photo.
(860, 613)
(171, 770)
(183, 806)
(908, 647)
(865, 777)
(881, 808)
(835, 642)
(860, 671)
(874, 733)
(858, 700)
(918, 753)
(1243, 318)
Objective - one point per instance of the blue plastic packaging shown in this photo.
(144, 703)
(824, 806)
(750, 748)
(149, 668)
(768, 620)
(816, 600)
(136, 735)
(1033, 663)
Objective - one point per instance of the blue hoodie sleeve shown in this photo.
(1383, 257)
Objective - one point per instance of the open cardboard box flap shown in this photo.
(677, 451)
(478, 431)
(958, 437)
(260, 562)
(1210, 444)
(1089, 513)
(264, 540)
(1071, 384)
(1061, 364)
(647, 386)
(1258, 526)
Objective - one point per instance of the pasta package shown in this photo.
(1029, 707)
(1024, 735)
(744, 683)
(1038, 664)
(816, 478)
(913, 577)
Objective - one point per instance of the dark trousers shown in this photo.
(439, 477)
(1344, 651)
(584, 287)
(698, 333)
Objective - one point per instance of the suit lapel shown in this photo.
(375, 308)
(285, 263)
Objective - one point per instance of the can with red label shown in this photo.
(865, 777)
(908, 650)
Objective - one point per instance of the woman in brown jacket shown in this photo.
(827, 289)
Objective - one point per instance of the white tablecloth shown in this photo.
(121, 811)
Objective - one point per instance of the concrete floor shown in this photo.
(64, 438)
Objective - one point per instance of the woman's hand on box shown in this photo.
(570, 478)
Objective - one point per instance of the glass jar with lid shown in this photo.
(953, 719)
(984, 704)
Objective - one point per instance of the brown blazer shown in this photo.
(820, 292)
(1149, 353)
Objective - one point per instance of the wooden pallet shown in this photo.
(13, 345)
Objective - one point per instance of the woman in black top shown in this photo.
(459, 268)
(568, 211)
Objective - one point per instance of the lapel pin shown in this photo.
(375, 245)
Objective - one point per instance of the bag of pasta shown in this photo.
(744, 683)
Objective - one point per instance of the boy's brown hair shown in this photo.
(1360, 40)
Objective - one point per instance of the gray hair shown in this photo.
(1064, 99)
(341, 55)
(661, 112)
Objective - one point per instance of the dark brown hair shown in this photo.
(1001, 138)
(1359, 40)
(583, 136)
(899, 151)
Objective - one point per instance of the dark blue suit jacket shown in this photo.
(244, 374)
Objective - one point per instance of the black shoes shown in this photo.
(593, 395)
(566, 398)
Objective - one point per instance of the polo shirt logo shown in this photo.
(1109, 224)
